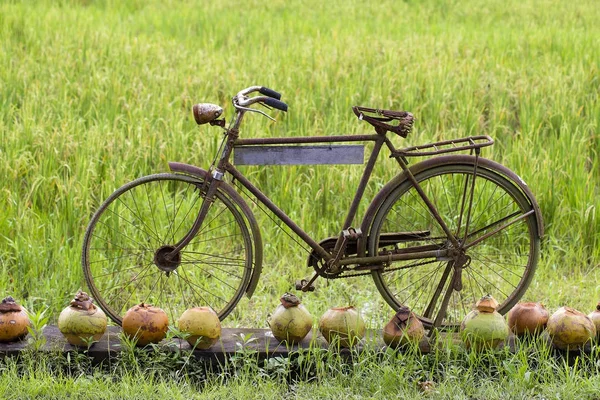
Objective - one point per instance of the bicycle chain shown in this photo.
(340, 276)
(369, 272)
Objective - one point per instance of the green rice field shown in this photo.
(94, 94)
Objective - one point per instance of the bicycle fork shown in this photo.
(217, 174)
(168, 257)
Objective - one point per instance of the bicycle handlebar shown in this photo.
(278, 104)
(271, 98)
(270, 92)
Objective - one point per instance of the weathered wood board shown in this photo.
(232, 341)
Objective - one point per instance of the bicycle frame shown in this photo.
(379, 140)
(333, 258)
(420, 234)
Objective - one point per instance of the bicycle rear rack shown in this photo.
(446, 146)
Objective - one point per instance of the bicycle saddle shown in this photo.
(380, 119)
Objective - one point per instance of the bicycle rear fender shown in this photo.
(230, 191)
(445, 160)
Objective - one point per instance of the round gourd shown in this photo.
(290, 321)
(202, 325)
(82, 323)
(343, 325)
(145, 324)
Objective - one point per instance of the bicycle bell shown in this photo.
(206, 112)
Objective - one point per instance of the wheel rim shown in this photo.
(500, 264)
(127, 255)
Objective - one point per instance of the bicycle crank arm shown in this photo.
(306, 286)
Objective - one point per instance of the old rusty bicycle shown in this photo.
(438, 236)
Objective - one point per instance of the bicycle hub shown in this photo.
(165, 261)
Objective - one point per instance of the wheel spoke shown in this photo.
(195, 285)
(104, 260)
(186, 217)
(139, 219)
(214, 265)
(119, 233)
(120, 271)
(204, 301)
(413, 284)
(499, 229)
(488, 209)
(493, 224)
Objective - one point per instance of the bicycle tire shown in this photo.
(502, 264)
(151, 213)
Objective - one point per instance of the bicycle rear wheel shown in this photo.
(126, 241)
(501, 261)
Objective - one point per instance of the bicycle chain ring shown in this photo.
(317, 262)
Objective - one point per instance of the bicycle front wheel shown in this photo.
(500, 238)
(128, 237)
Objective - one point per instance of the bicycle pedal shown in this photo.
(300, 285)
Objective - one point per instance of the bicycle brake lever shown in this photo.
(266, 106)
(257, 111)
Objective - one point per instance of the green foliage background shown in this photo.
(96, 93)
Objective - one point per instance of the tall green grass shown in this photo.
(96, 93)
(533, 372)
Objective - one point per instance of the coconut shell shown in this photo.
(13, 321)
(146, 324)
(82, 323)
(404, 329)
(290, 321)
(203, 326)
(527, 318)
(595, 317)
(487, 304)
(342, 324)
(483, 330)
(570, 329)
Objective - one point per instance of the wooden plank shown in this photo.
(233, 340)
(299, 155)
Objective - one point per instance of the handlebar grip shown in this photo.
(270, 92)
(278, 104)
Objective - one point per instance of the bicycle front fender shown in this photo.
(182, 168)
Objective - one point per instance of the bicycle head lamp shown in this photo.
(206, 112)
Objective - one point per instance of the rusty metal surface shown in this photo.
(333, 261)
(384, 120)
(232, 193)
(446, 146)
(307, 140)
(206, 112)
(262, 198)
